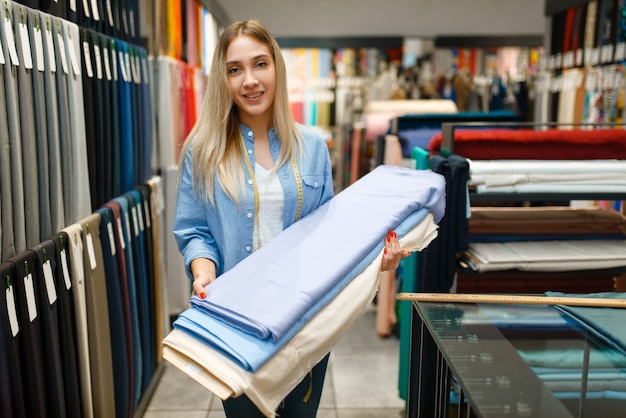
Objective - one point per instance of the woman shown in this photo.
(247, 172)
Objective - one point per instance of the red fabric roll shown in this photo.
(553, 144)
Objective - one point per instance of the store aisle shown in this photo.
(362, 381)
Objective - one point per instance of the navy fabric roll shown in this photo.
(127, 149)
(11, 386)
(437, 263)
(67, 333)
(49, 312)
(119, 345)
(128, 315)
(141, 280)
(133, 296)
(28, 302)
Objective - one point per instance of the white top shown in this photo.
(271, 207)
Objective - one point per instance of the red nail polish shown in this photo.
(202, 295)
(388, 238)
(395, 235)
(385, 250)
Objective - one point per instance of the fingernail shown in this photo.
(388, 238)
(202, 295)
(385, 250)
(395, 235)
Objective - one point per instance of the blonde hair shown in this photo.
(216, 152)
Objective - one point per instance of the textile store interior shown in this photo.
(523, 120)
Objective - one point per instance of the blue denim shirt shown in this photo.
(223, 232)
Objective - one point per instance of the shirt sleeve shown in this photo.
(191, 230)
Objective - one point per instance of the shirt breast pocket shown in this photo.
(312, 190)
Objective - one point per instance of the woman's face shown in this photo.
(252, 78)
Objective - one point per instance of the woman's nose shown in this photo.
(250, 79)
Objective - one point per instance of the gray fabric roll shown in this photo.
(41, 127)
(15, 142)
(66, 164)
(80, 181)
(57, 210)
(28, 133)
(7, 242)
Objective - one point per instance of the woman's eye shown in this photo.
(261, 64)
(233, 70)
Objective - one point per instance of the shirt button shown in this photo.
(250, 151)
(249, 215)
(249, 181)
(315, 184)
(250, 133)
(248, 249)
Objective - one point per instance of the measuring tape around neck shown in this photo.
(257, 196)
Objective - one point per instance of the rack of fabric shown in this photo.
(551, 170)
(81, 232)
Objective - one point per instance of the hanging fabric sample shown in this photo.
(32, 360)
(81, 193)
(49, 313)
(76, 255)
(11, 70)
(12, 393)
(55, 173)
(67, 329)
(100, 360)
(128, 306)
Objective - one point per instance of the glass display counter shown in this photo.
(486, 360)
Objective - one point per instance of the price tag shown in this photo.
(90, 252)
(111, 238)
(61, 43)
(114, 62)
(73, 56)
(139, 212)
(147, 213)
(120, 232)
(10, 297)
(87, 59)
(98, 58)
(122, 66)
(25, 41)
(579, 57)
(133, 211)
(107, 63)
(8, 30)
(94, 10)
(30, 297)
(109, 13)
(37, 36)
(50, 46)
(2, 61)
(86, 8)
(66, 271)
(78, 257)
(73, 5)
(49, 281)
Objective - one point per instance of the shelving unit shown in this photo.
(527, 283)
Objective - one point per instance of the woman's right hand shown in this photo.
(203, 271)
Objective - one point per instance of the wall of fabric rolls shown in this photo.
(81, 208)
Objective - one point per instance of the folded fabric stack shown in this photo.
(267, 321)
(604, 369)
(541, 176)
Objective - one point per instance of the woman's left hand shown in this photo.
(392, 254)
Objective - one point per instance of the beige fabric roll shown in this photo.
(76, 253)
(96, 302)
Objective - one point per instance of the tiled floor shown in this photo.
(362, 381)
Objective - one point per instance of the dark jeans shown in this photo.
(296, 405)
